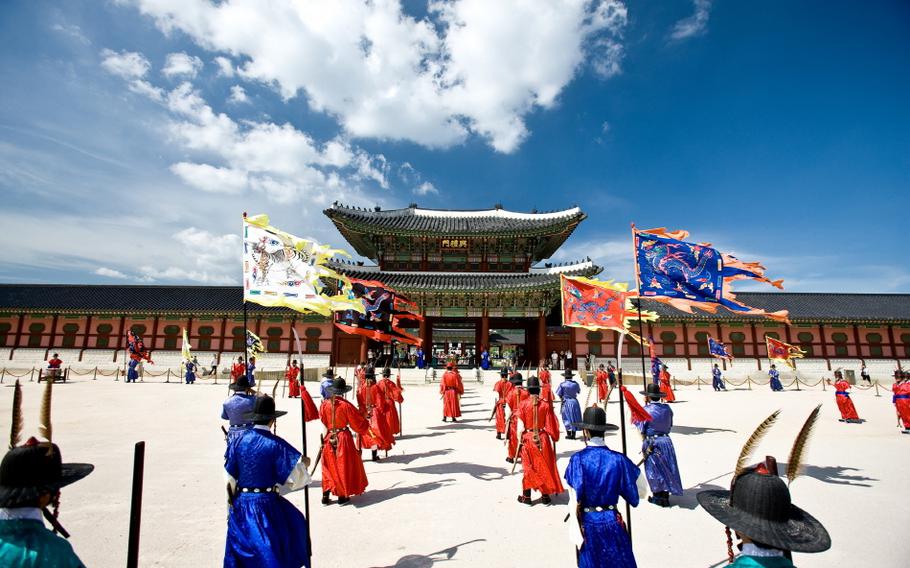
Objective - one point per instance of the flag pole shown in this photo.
(245, 330)
(641, 332)
(306, 489)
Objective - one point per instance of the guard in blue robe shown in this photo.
(326, 383)
(485, 360)
(190, 375)
(132, 372)
(236, 407)
(718, 381)
(265, 530)
(657, 447)
(420, 362)
(568, 391)
(251, 371)
(774, 375)
(597, 476)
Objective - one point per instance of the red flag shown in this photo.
(639, 414)
(780, 351)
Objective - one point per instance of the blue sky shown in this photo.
(133, 133)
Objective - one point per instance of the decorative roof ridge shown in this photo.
(498, 211)
(558, 268)
(469, 274)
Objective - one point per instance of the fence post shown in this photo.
(749, 382)
(2, 374)
(168, 378)
(823, 384)
(698, 382)
(95, 374)
(876, 388)
(31, 376)
(797, 383)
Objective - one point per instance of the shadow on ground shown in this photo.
(408, 458)
(477, 471)
(696, 430)
(428, 560)
(687, 500)
(837, 475)
(374, 496)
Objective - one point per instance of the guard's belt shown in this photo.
(273, 489)
(599, 508)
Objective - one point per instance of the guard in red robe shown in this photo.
(310, 412)
(538, 450)
(546, 389)
(342, 469)
(502, 389)
(374, 407)
(451, 389)
(391, 393)
(291, 375)
(665, 386)
(543, 372)
(238, 369)
(601, 379)
(844, 404)
(517, 395)
(901, 399)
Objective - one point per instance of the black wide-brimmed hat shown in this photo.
(504, 372)
(653, 391)
(595, 420)
(516, 379)
(387, 372)
(339, 387)
(241, 384)
(568, 373)
(370, 373)
(533, 385)
(29, 471)
(329, 373)
(263, 409)
(760, 508)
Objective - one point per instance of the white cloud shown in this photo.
(694, 25)
(215, 259)
(225, 67)
(425, 188)
(471, 67)
(238, 95)
(605, 127)
(181, 65)
(126, 64)
(110, 273)
(73, 31)
(210, 178)
(144, 88)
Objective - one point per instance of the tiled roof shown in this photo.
(805, 306)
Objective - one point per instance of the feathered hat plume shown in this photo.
(44, 424)
(799, 445)
(752, 442)
(16, 426)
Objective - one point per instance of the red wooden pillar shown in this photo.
(484, 335)
(85, 333)
(821, 335)
(223, 339)
(18, 342)
(53, 331)
(189, 329)
(686, 345)
(155, 333)
(859, 347)
(363, 347)
(542, 337)
(121, 338)
(891, 343)
(754, 340)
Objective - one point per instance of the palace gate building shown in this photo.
(481, 279)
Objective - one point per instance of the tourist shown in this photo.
(901, 399)
(291, 376)
(327, 377)
(264, 528)
(554, 360)
(251, 371)
(568, 391)
(600, 378)
(569, 359)
(342, 469)
(717, 380)
(516, 396)
(665, 386)
(759, 510)
(864, 374)
(501, 388)
(485, 359)
(538, 450)
(370, 356)
(597, 477)
(774, 376)
(214, 366)
(373, 407)
(657, 448)
(54, 364)
(391, 393)
(420, 362)
(238, 370)
(235, 408)
(842, 397)
(31, 476)
(451, 389)
(190, 372)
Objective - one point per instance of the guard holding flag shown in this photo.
(774, 376)
(342, 469)
(657, 448)
(717, 380)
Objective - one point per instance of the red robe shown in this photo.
(516, 396)
(342, 469)
(237, 371)
(373, 407)
(392, 394)
(902, 404)
(666, 387)
(844, 404)
(544, 375)
(293, 385)
(539, 461)
(601, 379)
(310, 412)
(451, 389)
(502, 388)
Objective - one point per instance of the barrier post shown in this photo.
(876, 388)
(2, 374)
(698, 383)
(95, 374)
(797, 383)
(168, 378)
(749, 382)
(823, 384)
(31, 376)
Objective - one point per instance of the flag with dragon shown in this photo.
(689, 275)
(783, 352)
(280, 269)
(718, 349)
(383, 313)
(595, 304)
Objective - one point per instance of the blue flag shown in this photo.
(718, 349)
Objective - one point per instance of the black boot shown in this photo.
(525, 497)
(325, 498)
(375, 455)
(664, 498)
(344, 500)
(499, 435)
(545, 499)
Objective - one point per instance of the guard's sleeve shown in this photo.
(298, 478)
(642, 485)
(575, 535)
(224, 415)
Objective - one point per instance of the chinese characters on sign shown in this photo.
(453, 243)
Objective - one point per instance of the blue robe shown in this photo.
(265, 530)
(660, 466)
(485, 360)
(132, 373)
(599, 477)
(26, 543)
(568, 391)
(251, 373)
(718, 382)
(420, 361)
(233, 410)
(775, 380)
(323, 389)
(190, 373)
